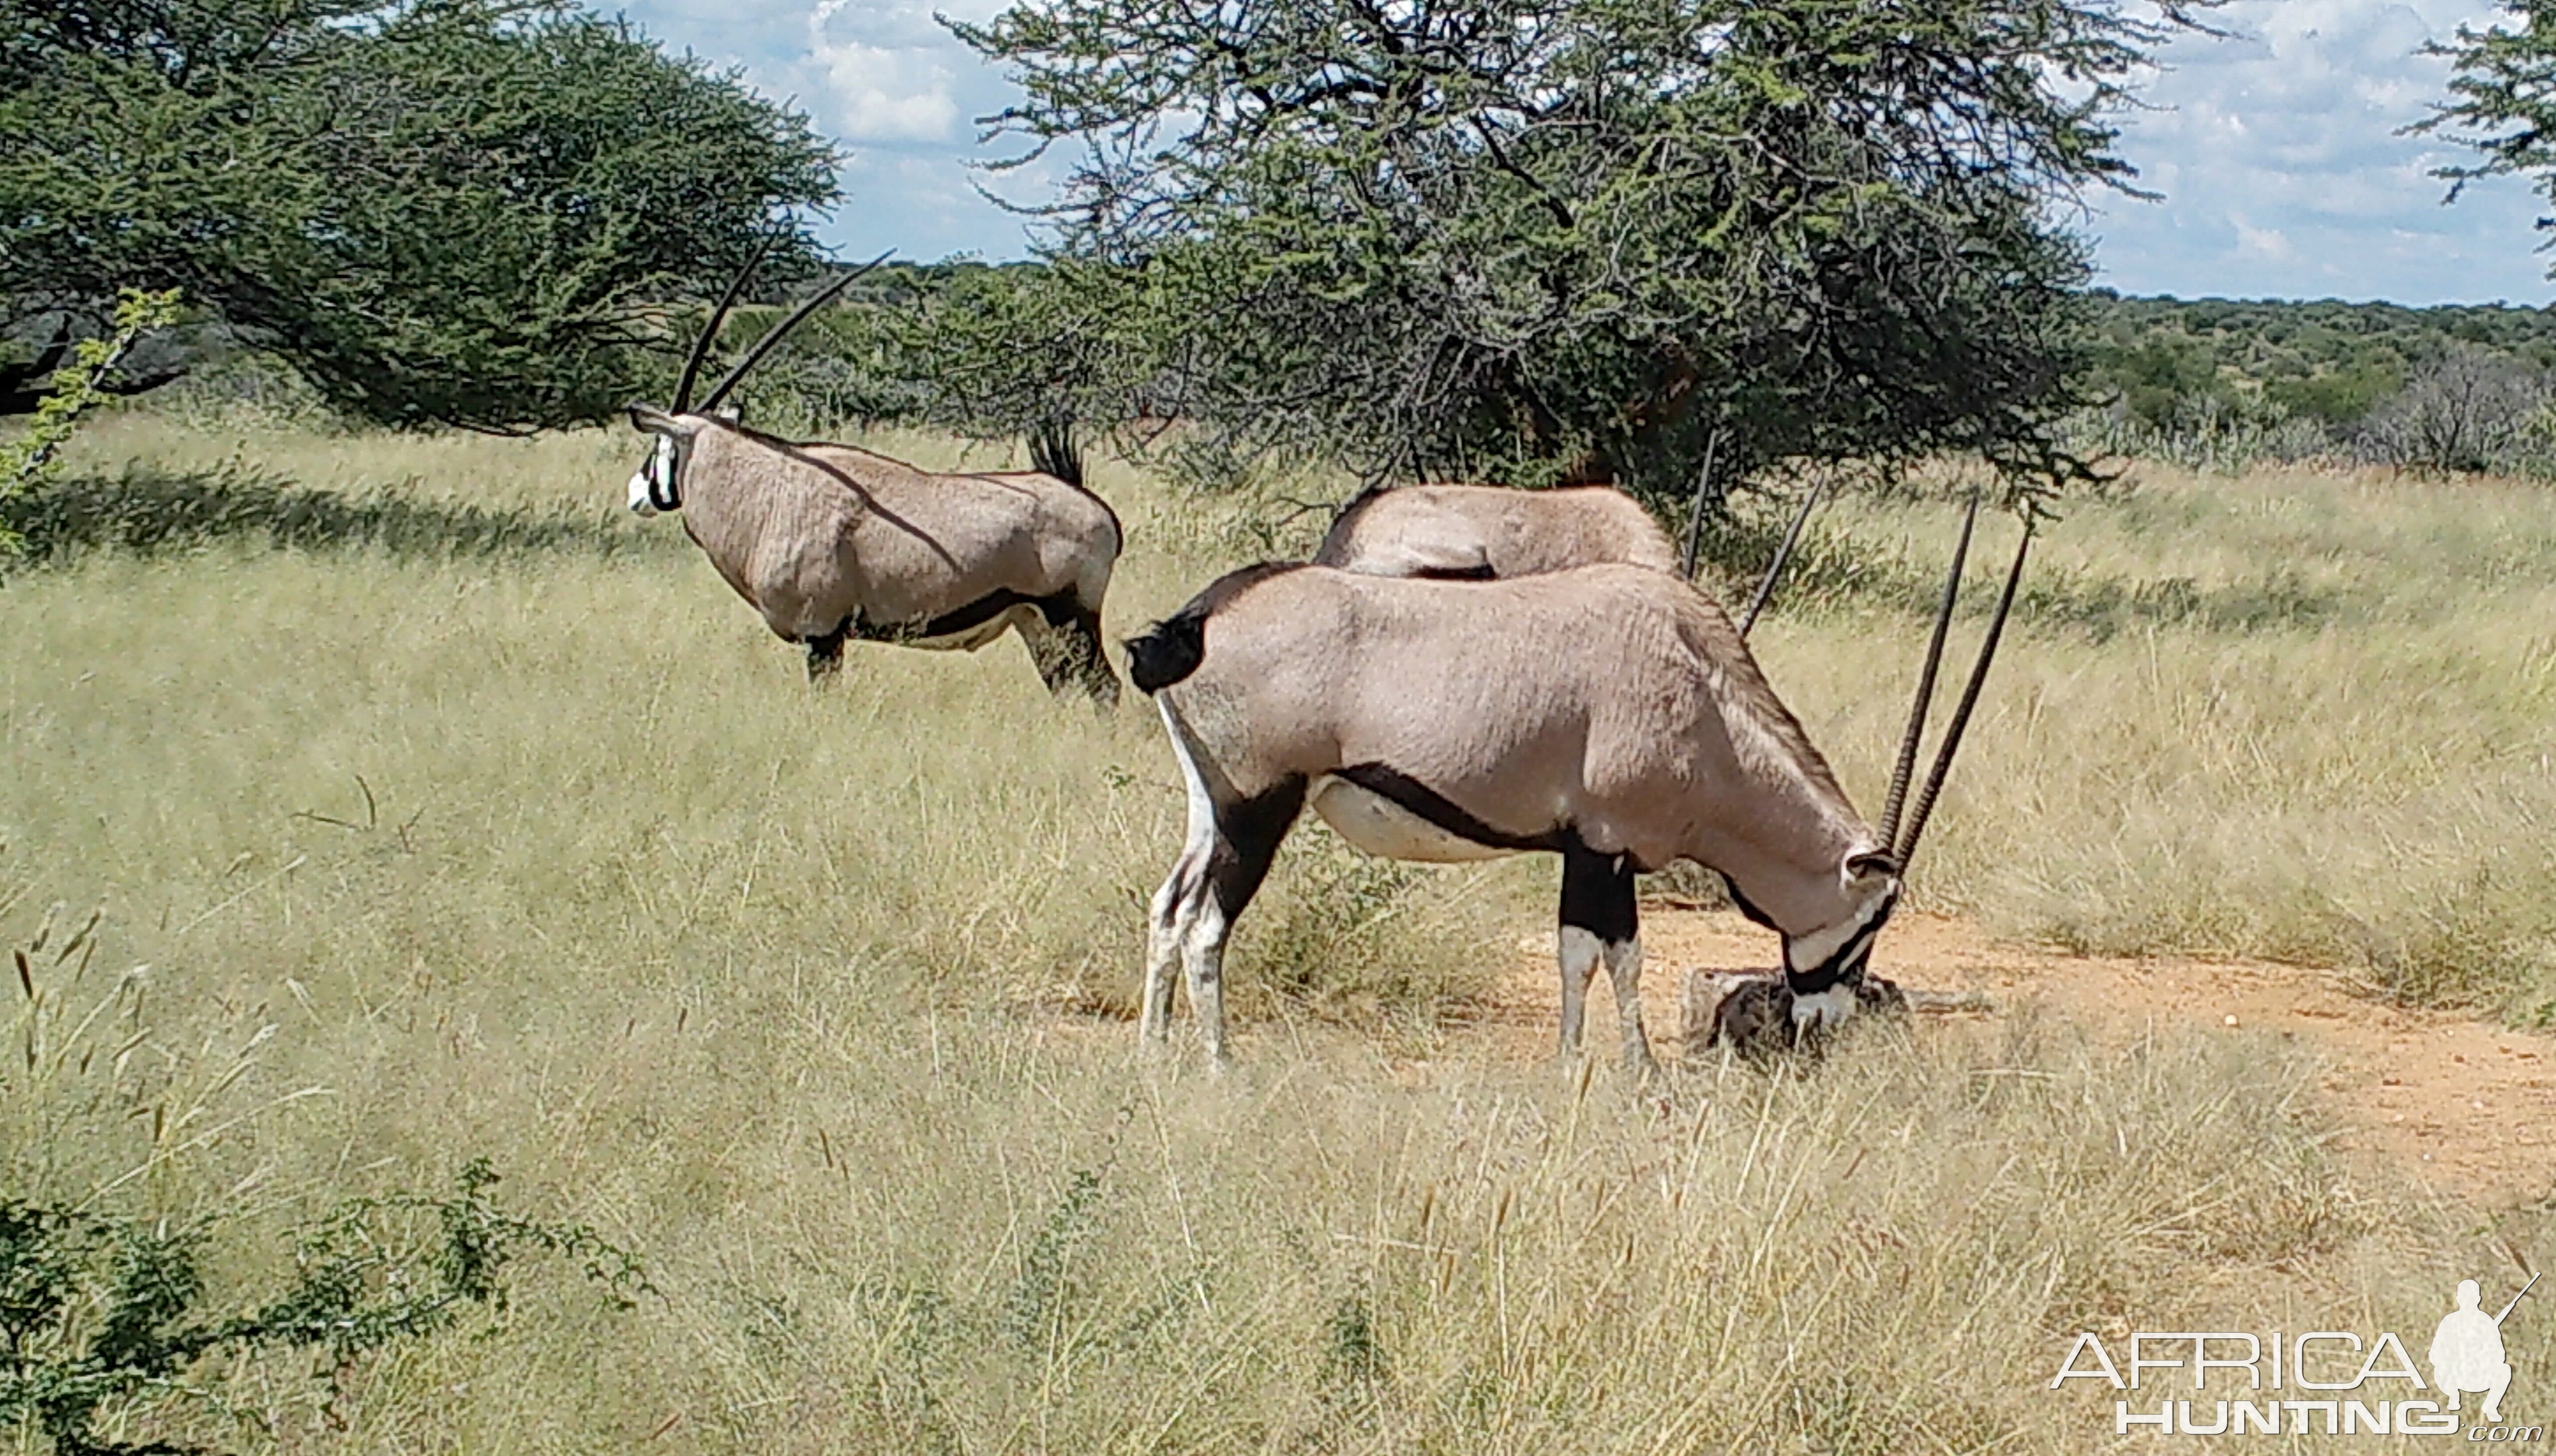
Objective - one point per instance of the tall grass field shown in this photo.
(439, 810)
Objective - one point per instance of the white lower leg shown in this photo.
(1578, 953)
(1162, 955)
(1176, 906)
(1624, 971)
(1202, 954)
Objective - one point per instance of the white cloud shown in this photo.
(2279, 155)
(2267, 242)
(884, 94)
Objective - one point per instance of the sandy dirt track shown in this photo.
(2467, 1109)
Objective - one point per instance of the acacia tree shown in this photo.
(1545, 239)
(992, 350)
(465, 211)
(2502, 101)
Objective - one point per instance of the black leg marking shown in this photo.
(825, 652)
(1598, 895)
(1598, 903)
(1228, 856)
(1068, 652)
(1083, 636)
(1247, 836)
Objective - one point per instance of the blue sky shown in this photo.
(2275, 149)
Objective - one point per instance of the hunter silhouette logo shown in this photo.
(2466, 1351)
(2321, 1382)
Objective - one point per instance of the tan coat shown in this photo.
(1493, 531)
(814, 534)
(1612, 701)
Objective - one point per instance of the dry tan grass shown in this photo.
(811, 999)
(2292, 714)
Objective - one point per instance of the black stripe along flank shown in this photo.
(1418, 800)
(948, 624)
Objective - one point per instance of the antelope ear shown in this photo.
(1877, 863)
(650, 420)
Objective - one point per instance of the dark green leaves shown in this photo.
(459, 211)
(98, 1314)
(2503, 100)
(1537, 239)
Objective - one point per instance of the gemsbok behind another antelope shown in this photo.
(1486, 532)
(1608, 714)
(832, 541)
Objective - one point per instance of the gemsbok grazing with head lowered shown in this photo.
(1610, 714)
(831, 542)
(1486, 532)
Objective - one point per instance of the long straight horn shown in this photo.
(1783, 553)
(718, 316)
(1969, 699)
(1907, 764)
(764, 346)
(1695, 517)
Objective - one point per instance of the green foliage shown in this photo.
(1533, 239)
(147, 511)
(28, 461)
(2503, 99)
(2326, 359)
(2219, 385)
(2336, 398)
(2158, 375)
(101, 1316)
(990, 352)
(463, 212)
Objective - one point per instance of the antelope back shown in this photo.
(1491, 531)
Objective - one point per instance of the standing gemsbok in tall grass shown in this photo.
(831, 542)
(1610, 714)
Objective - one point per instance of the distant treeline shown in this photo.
(2206, 382)
(2168, 362)
(2173, 362)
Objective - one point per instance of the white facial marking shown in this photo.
(1826, 1010)
(1805, 952)
(660, 467)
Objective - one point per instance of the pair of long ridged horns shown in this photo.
(1901, 772)
(1902, 847)
(763, 345)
